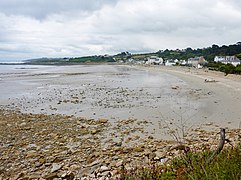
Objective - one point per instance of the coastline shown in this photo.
(225, 91)
(37, 145)
(53, 146)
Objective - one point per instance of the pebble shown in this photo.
(56, 167)
(119, 163)
(65, 147)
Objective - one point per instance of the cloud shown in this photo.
(78, 28)
(40, 9)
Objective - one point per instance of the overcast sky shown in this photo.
(67, 28)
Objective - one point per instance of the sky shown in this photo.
(70, 28)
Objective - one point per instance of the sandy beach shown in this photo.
(224, 97)
(88, 122)
(155, 94)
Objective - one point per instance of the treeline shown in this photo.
(208, 53)
(184, 54)
(226, 68)
(88, 59)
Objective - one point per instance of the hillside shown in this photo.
(209, 53)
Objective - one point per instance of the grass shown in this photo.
(226, 165)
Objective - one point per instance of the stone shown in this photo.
(138, 149)
(151, 156)
(93, 163)
(104, 168)
(93, 131)
(106, 174)
(50, 176)
(68, 176)
(102, 121)
(164, 160)
(31, 154)
(160, 154)
(56, 167)
(119, 163)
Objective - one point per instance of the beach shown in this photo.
(155, 94)
(224, 97)
(89, 121)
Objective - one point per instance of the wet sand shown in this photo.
(114, 117)
(158, 95)
(223, 105)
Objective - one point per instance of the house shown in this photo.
(227, 60)
(171, 62)
(183, 62)
(197, 62)
(154, 60)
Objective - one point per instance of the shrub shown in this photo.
(225, 165)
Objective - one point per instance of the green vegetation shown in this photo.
(183, 54)
(74, 60)
(226, 68)
(226, 165)
(208, 53)
(88, 59)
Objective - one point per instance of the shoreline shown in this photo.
(224, 90)
(43, 146)
(35, 145)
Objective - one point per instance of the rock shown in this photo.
(115, 157)
(106, 174)
(151, 156)
(51, 176)
(102, 121)
(205, 139)
(93, 163)
(156, 158)
(32, 146)
(160, 154)
(56, 167)
(31, 154)
(209, 124)
(114, 172)
(175, 87)
(93, 131)
(68, 176)
(164, 160)
(104, 168)
(138, 149)
(119, 163)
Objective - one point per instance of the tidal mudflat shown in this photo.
(105, 91)
(89, 121)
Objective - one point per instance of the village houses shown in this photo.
(197, 62)
(227, 60)
(154, 60)
(171, 62)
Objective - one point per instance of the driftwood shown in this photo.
(220, 145)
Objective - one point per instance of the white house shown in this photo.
(183, 62)
(170, 62)
(154, 60)
(227, 60)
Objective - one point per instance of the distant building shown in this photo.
(183, 62)
(171, 62)
(227, 60)
(197, 62)
(154, 60)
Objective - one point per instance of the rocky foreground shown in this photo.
(38, 146)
